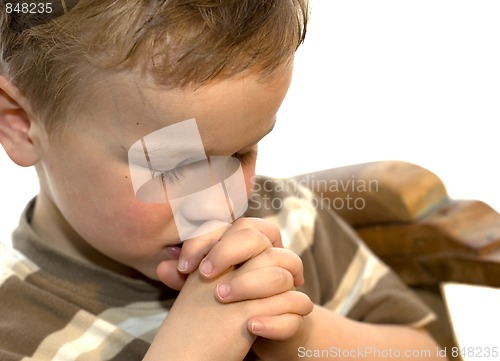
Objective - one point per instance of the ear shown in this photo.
(15, 125)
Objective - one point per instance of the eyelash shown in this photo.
(175, 175)
(170, 176)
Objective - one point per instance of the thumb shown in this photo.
(168, 274)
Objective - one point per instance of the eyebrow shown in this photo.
(209, 150)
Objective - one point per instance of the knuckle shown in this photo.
(301, 302)
(249, 235)
(245, 222)
(252, 233)
(287, 256)
(305, 302)
(265, 227)
(283, 278)
(195, 246)
(290, 325)
(295, 324)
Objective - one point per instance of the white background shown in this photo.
(417, 81)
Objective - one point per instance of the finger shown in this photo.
(234, 248)
(290, 302)
(267, 228)
(195, 249)
(287, 302)
(168, 274)
(250, 285)
(279, 257)
(277, 328)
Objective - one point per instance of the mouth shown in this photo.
(174, 251)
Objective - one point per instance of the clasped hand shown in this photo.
(244, 276)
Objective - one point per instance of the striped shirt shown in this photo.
(53, 307)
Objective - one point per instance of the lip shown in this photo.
(174, 251)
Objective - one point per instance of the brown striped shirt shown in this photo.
(53, 307)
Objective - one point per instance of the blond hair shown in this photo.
(178, 43)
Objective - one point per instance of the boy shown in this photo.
(96, 94)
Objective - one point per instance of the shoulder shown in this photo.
(13, 264)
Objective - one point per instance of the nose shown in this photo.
(210, 203)
(214, 206)
(201, 212)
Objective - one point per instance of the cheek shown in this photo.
(132, 218)
(137, 215)
(130, 230)
(103, 203)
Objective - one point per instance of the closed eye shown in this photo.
(175, 175)
(171, 176)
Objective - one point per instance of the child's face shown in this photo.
(86, 184)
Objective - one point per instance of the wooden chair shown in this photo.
(404, 214)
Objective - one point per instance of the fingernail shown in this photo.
(257, 326)
(223, 290)
(206, 268)
(182, 266)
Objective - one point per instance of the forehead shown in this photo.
(230, 114)
(169, 147)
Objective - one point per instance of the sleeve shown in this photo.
(353, 281)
